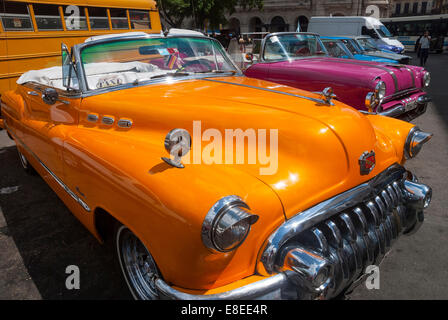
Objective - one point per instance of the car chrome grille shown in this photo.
(350, 231)
(358, 237)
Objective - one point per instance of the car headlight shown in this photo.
(380, 90)
(426, 79)
(414, 142)
(227, 224)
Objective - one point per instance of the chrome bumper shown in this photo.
(323, 251)
(271, 288)
(400, 110)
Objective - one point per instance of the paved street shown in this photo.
(39, 237)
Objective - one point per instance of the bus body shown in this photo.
(355, 26)
(409, 29)
(31, 32)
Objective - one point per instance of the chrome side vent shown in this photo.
(92, 117)
(108, 120)
(124, 123)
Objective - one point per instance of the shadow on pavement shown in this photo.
(437, 65)
(49, 238)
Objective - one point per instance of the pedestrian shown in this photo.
(417, 46)
(424, 45)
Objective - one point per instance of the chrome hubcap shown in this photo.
(137, 264)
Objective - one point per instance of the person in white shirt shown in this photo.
(424, 45)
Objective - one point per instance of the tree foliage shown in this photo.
(212, 12)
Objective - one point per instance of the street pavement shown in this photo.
(39, 237)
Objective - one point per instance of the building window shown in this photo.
(119, 19)
(398, 8)
(139, 19)
(15, 16)
(98, 19)
(424, 6)
(75, 18)
(415, 8)
(47, 17)
(406, 8)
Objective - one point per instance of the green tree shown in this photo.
(212, 12)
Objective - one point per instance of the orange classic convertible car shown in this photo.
(186, 225)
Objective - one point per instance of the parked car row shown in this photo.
(98, 129)
(310, 62)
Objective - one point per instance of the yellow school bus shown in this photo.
(31, 32)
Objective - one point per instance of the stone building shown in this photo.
(285, 15)
(403, 8)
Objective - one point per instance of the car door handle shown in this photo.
(33, 93)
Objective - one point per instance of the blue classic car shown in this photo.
(368, 46)
(340, 47)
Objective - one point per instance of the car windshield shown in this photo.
(337, 49)
(292, 46)
(383, 31)
(367, 44)
(128, 61)
(349, 46)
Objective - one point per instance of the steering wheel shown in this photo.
(303, 51)
(199, 62)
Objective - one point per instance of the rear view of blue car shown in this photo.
(368, 47)
(342, 47)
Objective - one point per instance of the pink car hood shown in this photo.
(351, 79)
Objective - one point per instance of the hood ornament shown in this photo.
(177, 143)
(327, 95)
(367, 162)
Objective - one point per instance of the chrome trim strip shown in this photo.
(269, 90)
(54, 176)
(250, 291)
(324, 210)
(412, 74)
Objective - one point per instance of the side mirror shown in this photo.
(50, 96)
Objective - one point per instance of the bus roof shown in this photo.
(416, 18)
(128, 4)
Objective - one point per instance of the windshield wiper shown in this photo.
(171, 74)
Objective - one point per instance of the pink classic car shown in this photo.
(300, 60)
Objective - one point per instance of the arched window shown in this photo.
(234, 25)
(278, 24)
(303, 22)
(255, 25)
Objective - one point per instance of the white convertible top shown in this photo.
(98, 74)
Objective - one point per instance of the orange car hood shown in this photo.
(318, 145)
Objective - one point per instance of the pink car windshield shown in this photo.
(292, 46)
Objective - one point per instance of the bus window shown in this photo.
(15, 16)
(98, 18)
(139, 19)
(119, 19)
(47, 17)
(75, 18)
